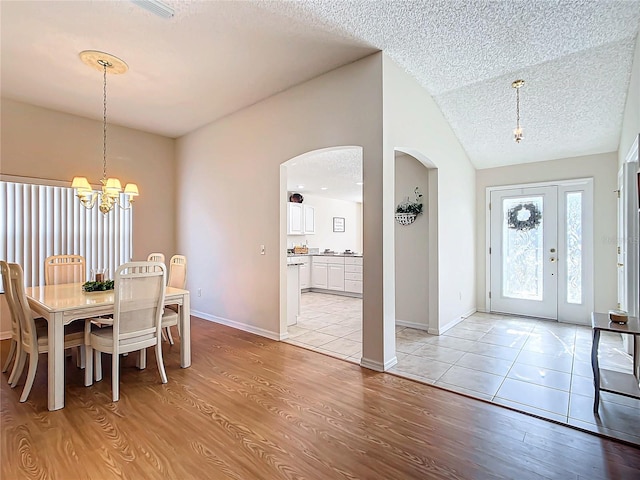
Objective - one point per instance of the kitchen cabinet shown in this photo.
(295, 219)
(353, 275)
(301, 219)
(335, 277)
(305, 272)
(318, 274)
(309, 219)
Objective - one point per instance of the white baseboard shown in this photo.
(5, 335)
(417, 326)
(452, 323)
(378, 366)
(240, 326)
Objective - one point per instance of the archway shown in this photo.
(328, 181)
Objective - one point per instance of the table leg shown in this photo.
(185, 332)
(56, 362)
(596, 369)
(636, 357)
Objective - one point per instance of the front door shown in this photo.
(541, 251)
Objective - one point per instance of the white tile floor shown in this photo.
(535, 366)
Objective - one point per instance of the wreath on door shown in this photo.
(525, 216)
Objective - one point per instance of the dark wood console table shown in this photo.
(608, 380)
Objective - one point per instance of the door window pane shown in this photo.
(574, 247)
(522, 248)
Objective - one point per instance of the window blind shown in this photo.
(42, 220)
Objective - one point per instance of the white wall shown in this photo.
(631, 118)
(232, 199)
(411, 245)
(603, 169)
(325, 237)
(414, 124)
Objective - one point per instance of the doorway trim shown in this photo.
(489, 190)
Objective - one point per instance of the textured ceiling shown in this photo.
(213, 58)
(332, 173)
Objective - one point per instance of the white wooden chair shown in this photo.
(155, 257)
(34, 337)
(177, 279)
(16, 345)
(60, 269)
(139, 289)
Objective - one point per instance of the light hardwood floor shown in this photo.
(251, 408)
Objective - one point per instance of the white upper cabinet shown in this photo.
(301, 219)
(295, 219)
(309, 219)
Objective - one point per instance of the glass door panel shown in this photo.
(522, 254)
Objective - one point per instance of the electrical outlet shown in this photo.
(262, 250)
(199, 292)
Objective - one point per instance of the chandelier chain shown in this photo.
(104, 123)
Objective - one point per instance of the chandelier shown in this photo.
(109, 195)
(517, 133)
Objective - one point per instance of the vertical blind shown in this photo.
(42, 220)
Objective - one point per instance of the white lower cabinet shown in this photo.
(318, 274)
(341, 274)
(353, 275)
(305, 272)
(335, 277)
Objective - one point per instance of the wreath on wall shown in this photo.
(525, 216)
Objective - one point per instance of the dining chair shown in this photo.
(33, 336)
(64, 269)
(155, 257)
(59, 269)
(16, 345)
(139, 289)
(177, 279)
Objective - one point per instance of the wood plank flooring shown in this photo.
(251, 408)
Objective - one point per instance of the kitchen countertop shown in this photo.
(324, 254)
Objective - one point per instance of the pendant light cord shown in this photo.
(517, 108)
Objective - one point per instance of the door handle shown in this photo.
(621, 264)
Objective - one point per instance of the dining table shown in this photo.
(64, 303)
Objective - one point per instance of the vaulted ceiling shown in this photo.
(213, 58)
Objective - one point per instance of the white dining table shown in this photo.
(65, 303)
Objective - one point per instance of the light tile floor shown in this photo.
(535, 366)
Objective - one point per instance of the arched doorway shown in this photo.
(321, 250)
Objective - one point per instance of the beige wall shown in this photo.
(631, 118)
(45, 144)
(233, 200)
(411, 245)
(603, 169)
